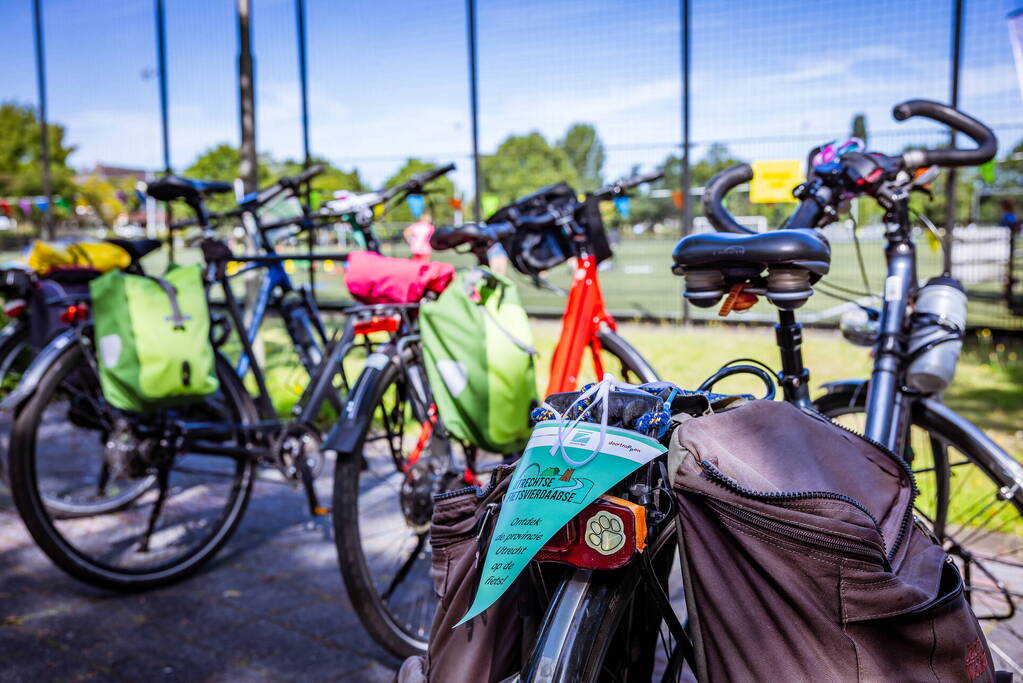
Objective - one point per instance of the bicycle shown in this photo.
(596, 620)
(40, 307)
(66, 440)
(383, 543)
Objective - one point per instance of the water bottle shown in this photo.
(936, 335)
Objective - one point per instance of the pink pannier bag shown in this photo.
(375, 279)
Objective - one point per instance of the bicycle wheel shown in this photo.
(973, 508)
(383, 502)
(16, 353)
(621, 359)
(606, 625)
(68, 444)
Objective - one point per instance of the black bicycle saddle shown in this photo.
(797, 248)
(175, 187)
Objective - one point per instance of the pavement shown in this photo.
(270, 607)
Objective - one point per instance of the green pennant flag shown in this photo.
(987, 172)
(547, 491)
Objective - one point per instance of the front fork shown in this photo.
(887, 405)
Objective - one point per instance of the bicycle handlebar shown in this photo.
(620, 187)
(714, 193)
(286, 183)
(987, 143)
(475, 234)
(417, 182)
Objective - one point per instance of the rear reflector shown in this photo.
(74, 313)
(389, 323)
(605, 535)
(14, 307)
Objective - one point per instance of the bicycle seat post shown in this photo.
(794, 377)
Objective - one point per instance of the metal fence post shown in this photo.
(687, 209)
(161, 74)
(470, 10)
(950, 186)
(44, 129)
(248, 167)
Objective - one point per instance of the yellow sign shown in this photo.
(773, 181)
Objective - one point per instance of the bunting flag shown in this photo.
(5, 208)
(42, 204)
(416, 204)
(60, 202)
(987, 172)
(490, 203)
(622, 205)
(25, 206)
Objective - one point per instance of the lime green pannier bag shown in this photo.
(153, 339)
(479, 360)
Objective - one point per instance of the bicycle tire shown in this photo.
(632, 366)
(42, 525)
(583, 637)
(359, 577)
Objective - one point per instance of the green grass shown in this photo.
(988, 389)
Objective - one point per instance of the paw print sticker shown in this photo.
(604, 533)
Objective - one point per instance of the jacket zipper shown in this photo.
(806, 537)
(907, 519)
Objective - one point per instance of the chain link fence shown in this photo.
(586, 90)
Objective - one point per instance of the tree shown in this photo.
(717, 158)
(585, 151)
(859, 128)
(21, 171)
(523, 164)
(441, 190)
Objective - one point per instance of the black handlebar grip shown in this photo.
(715, 191)
(425, 177)
(443, 239)
(641, 178)
(987, 143)
(304, 176)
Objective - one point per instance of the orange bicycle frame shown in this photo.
(584, 316)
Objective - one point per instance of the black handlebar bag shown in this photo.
(803, 560)
(536, 247)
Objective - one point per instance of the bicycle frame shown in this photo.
(580, 325)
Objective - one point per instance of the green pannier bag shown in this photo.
(153, 339)
(479, 360)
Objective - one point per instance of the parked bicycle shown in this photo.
(68, 442)
(970, 496)
(393, 452)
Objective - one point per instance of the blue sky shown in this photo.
(388, 79)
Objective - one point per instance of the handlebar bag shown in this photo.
(375, 279)
(479, 359)
(802, 558)
(153, 339)
(537, 248)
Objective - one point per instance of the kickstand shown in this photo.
(104, 479)
(162, 480)
(315, 509)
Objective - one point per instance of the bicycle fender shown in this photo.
(852, 386)
(347, 434)
(39, 365)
